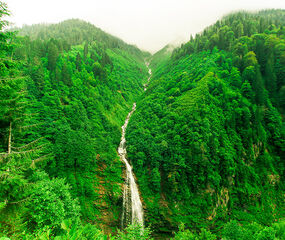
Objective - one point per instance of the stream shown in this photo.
(132, 205)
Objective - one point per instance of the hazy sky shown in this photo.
(149, 24)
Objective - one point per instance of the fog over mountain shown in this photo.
(148, 24)
(100, 139)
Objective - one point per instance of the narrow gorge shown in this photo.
(102, 140)
(132, 205)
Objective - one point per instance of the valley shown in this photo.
(101, 140)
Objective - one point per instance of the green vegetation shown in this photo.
(64, 96)
(206, 142)
(207, 139)
(234, 231)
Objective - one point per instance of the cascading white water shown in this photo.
(132, 206)
(149, 72)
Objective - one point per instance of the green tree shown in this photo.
(85, 50)
(52, 53)
(66, 75)
(133, 232)
(51, 203)
(78, 62)
(233, 231)
(270, 77)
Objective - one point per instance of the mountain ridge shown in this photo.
(206, 141)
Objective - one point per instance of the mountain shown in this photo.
(207, 139)
(79, 85)
(74, 32)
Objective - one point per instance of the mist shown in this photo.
(148, 24)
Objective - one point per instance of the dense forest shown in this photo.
(63, 100)
(206, 141)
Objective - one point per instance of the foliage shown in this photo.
(133, 232)
(83, 93)
(206, 141)
(51, 203)
(65, 92)
(207, 138)
(233, 230)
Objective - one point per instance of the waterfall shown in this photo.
(132, 206)
(149, 72)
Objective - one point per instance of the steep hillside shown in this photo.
(161, 57)
(207, 139)
(74, 32)
(77, 85)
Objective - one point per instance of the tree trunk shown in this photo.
(10, 137)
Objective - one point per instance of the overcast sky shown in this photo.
(149, 24)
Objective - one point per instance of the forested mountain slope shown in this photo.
(206, 142)
(207, 139)
(75, 31)
(65, 92)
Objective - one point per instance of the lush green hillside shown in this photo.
(65, 92)
(76, 31)
(207, 139)
(161, 57)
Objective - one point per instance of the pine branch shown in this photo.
(15, 109)
(32, 125)
(11, 79)
(4, 155)
(29, 144)
(30, 114)
(17, 119)
(23, 200)
(12, 99)
(39, 159)
(31, 150)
